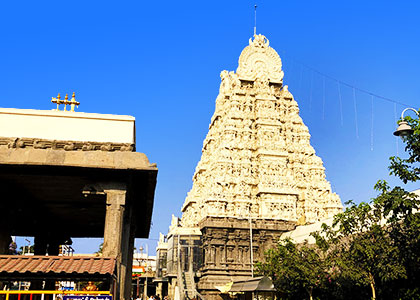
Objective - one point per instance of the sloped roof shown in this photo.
(56, 265)
(256, 284)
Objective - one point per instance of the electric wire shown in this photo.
(323, 98)
(355, 113)
(396, 118)
(347, 84)
(371, 123)
(310, 95)
(341, 103)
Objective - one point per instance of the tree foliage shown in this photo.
(408, 169)
(362, 247)
(99, 252)
(372, 250)
(294, 268)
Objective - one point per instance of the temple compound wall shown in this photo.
(258, 174)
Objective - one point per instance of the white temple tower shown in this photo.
(258, 173)
(257, 160)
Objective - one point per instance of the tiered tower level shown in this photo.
(257, 161)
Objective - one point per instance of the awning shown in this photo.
(224, 288)
(257, 284)
(36, 267)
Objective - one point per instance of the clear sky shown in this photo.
(160, 61)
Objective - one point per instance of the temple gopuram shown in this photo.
(258, 178)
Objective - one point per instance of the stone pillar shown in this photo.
(40, 245)
(119, 235)
(145, 296)
(48, 243)
(159, 289)
(171, 288)
(40, 248)
(127, 250)
(54, 246)
(5, 241)
(115, 207)
(45, 244)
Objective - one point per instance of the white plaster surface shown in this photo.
(303, 233)
(66, 126)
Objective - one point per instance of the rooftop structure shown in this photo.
(67, 126)
(41, 267)
(67, 174)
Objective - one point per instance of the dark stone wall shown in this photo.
(226, 249)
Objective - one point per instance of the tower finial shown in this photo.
(66, 101)
(73, 102)
(57, 101)
(255, 19)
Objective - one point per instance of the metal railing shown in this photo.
(194, 287)
(46, 292)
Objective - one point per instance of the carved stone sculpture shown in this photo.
(258, 172)
(257, 160)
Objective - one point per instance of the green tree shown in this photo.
(380, 243)
(294, 268)
(99, 252)
(373, 245)
(362, 247)
(402, 209)
(407, 169)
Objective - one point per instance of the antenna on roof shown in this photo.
(255, 19)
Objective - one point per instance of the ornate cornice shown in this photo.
(64, 145)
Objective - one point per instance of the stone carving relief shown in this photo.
(258, 59)
(230, 82)
(64, 145)
(257, 159)
(174, 223)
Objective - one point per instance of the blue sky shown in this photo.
(160, 62)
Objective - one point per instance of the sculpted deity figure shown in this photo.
(230, 209)
(225, 84)
(255, 209)
(272, 90)
(174, 222)
(234, 81)
(262, 84)
(259, 41)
